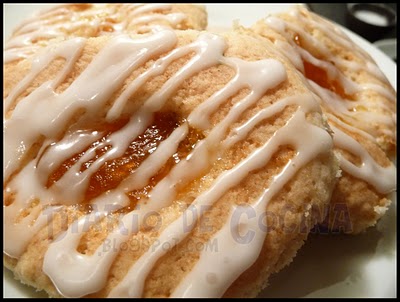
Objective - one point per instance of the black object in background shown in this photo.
(337, 12)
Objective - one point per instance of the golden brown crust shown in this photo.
(360, 203)
(93, 20)
(311, 187)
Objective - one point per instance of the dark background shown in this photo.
(337, 13)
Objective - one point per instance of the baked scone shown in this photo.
(173, 163)
(359, 103)
(92, 20)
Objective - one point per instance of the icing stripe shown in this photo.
(382, 178)
(133, 283)
(92, 20)
(342, 111)
(107, 72)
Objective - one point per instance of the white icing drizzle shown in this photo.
(25, 229)
(173, 19)
(210, 49)
(64, 250)
(49, 32)
(345, 110)
(134, 9)
(241, 132)
(246, 76)
(69, 50)
(216, 270)
(344, 125)
(378, 89)
(67, 147)
(75, 274)
(290, 52)
(105, 73)
(205, 153)
(149, 167)
(382, 178)
(20, 138)
(83, 274)
(16, 53)
(333, 72)
(342, 111)
(222, 266)
(91, 275)
(133, 283)
(52, 24)
(330, 30)
(61, 22)
(99, 76)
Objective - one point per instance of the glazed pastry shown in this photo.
(168, 164)
(359, 103)
(92, 20)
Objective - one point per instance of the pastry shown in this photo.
(164, 164)
(92, 20)
(359, 103)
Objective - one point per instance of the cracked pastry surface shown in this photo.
(360, 105)
(92, 20)
(127, 155)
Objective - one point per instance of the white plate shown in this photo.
(327, 266)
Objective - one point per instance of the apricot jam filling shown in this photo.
(184, 149)
(112, 172)
(320, 76)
